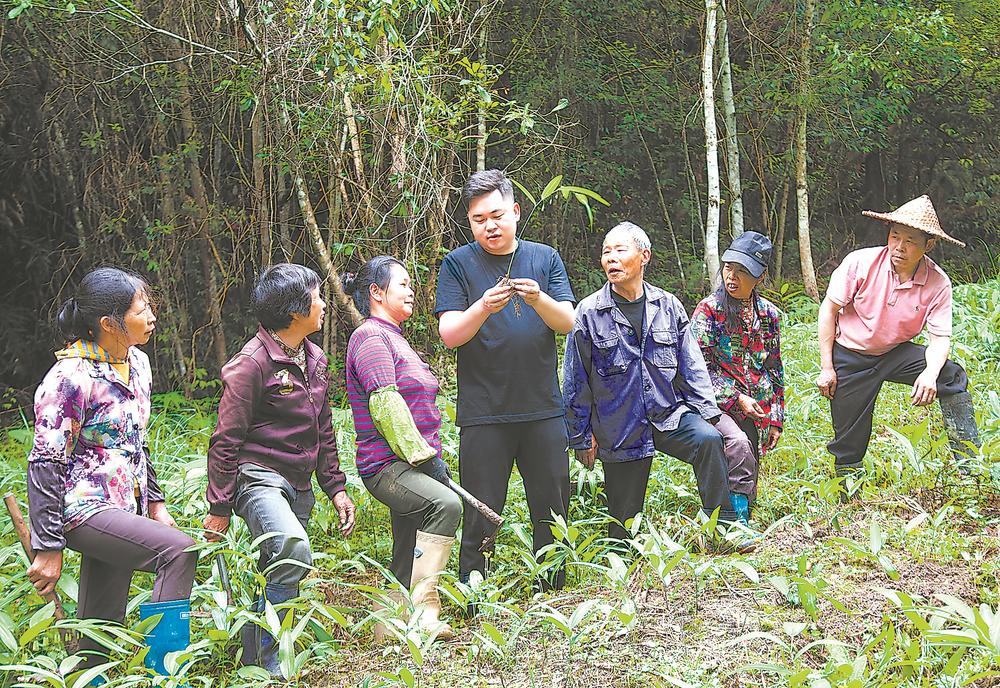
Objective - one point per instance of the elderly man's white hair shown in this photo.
(634, 232)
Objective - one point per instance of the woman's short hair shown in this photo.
(281, 291)
(377, 271)
(103, 292)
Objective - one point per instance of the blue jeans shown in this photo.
(269, 504)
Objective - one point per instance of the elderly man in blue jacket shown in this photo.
(635, 381)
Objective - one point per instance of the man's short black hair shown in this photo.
(486, 182)
(281, 291)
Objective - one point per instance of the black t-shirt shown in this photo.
(635, 311)
(507, 372)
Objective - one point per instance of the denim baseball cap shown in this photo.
(752, 250)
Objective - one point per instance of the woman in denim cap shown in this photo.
(91, 484)
(739, 334)
(275, 431)
(393, 397)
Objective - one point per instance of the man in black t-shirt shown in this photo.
(509, 403)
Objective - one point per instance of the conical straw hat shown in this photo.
(918, 214)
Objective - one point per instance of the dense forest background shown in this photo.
(195, 142)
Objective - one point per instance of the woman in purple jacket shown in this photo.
(393, 396)
(274, 432)
(91, 485)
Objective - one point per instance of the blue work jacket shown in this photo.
(618, 384)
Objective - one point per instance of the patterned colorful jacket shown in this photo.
(749, 363)
(89, 450)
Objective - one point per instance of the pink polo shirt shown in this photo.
(878, 312)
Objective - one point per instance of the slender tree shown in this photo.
(801, 177)
(732, 145)
(711, 142)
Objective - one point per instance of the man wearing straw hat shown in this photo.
(878, 300)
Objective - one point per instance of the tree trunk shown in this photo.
(801, 178)
(210, 285)
(259, 183)
(175, 309)
(782, 219)
(359, 166)
(481, 134)
(729, 120)
(322, 252)
(74, 193)
(663, 203)
(711, 144)
(779, 241)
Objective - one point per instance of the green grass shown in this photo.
(897, 586)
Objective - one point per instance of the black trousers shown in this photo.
(859, 380)
(487, 454)
(625, 489)
(695, 441)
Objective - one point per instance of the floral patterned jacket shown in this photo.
(89, 450)
(749, 363)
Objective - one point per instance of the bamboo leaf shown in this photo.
(551, 187)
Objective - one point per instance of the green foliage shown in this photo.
(893, 586)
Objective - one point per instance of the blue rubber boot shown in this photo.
(171, 633)
(741, 505)
(259, 646)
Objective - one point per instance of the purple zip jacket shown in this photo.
(619, 384)
(270, 417)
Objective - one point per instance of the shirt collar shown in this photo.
(275, 351)
(386, 324)
(920, 275)
(298, 352)
(604, 300)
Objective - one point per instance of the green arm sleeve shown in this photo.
(393, 420)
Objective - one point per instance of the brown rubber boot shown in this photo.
(430, 557)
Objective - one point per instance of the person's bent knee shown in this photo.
(445, 515)
(706, 436)
(451, 512)
(179, 552)
(298, 550)
(296, 557)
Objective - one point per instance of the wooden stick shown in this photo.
(491, 516)
(21, 528)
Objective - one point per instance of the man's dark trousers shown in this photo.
(696, 441)
(486, 458)
(859, 379)
(625, 490)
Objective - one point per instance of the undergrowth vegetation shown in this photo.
(888, 581)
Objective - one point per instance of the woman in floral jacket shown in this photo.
(91, 486)
(738, 331)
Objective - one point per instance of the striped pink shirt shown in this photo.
(879, 312)
(379, 356)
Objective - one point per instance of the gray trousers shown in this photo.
(114, 544)
(859, 380)
(416, 502)
(269, 504)
(739, 439)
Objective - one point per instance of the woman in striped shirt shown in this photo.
(393, 398)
